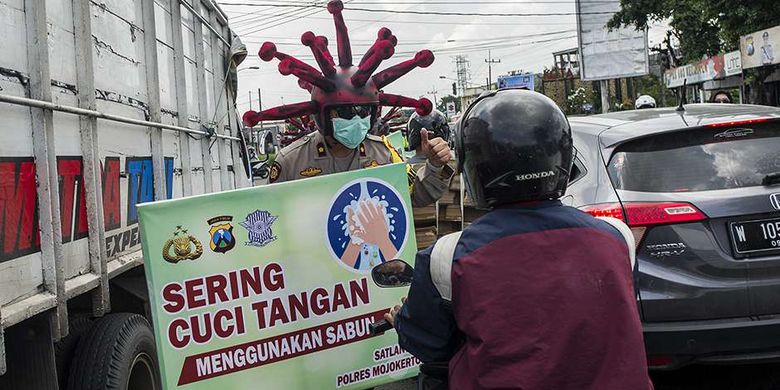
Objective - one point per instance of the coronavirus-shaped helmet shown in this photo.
(342, 84)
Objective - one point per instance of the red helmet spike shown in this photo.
(268, 52)
(383, 35)
(322, 43)
(345, 85)
(251, 118)
(423, 59)
(310, 40)
(422, 106)
(342, 34)
(305, 85)
(306, 73)
(382, 51)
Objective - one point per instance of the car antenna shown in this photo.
(682, 96)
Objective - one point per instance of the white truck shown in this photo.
(105, 104)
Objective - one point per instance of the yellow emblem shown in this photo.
(182, 244)
(311, 172)
(276, 170)
(371, 164)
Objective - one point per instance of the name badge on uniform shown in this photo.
(311, 172)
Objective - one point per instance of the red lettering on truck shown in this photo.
(18, 211)
(111, 204)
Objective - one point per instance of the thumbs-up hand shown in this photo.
(437, 151)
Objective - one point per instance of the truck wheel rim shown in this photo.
(141, 374)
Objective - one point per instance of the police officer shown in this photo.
(533, 295)
(345, 100)
(343, 144)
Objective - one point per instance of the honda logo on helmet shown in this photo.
(535, 175)
(775, 199)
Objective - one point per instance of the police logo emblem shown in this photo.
(276, 170)
(185, 247)
(259, 224)
(222, 238)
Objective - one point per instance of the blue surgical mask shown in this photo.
(351, 132)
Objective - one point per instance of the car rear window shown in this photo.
(698, 159)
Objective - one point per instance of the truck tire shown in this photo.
(65, 349)
(118, 353)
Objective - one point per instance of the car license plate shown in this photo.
(760, 237)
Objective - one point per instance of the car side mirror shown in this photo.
(393, 273)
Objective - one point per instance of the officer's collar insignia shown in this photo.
(276, 171)
(362, 149)
(311, 172)
(321, 151)
(371, 164)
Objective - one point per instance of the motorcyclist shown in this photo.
(345, 101)
(644, 101)
(534, 294)
(422, 128)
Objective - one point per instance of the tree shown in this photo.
(448, 99)
(705, 27)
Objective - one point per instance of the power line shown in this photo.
(365, 43)
(466, 48)
(284, 17)
(358, 2)
(425, 12)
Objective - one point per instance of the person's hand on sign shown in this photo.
(437, 150)
(375, 230)
(390, 316)
(352, 253)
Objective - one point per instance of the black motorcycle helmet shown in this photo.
(435, 123)
(514, 145)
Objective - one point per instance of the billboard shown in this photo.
(270, 287)
(608, 54)
(758, 48)
(525, 80)
(711, 68)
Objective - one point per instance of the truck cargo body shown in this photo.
(105, 104)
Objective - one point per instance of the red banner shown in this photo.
(278, 348)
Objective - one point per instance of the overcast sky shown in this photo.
(521, 43)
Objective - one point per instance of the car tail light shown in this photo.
(739, 122)
(657, 361)
(641, 215)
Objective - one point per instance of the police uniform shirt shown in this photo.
(310, 157)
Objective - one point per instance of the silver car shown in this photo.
(700, 190)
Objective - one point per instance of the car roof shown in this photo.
(617, 127)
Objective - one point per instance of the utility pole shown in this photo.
(250, 100)
(435, 100)
(490, 61)
(462, 65)
(259, 100)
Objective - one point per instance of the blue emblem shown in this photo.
(222, 238)
(367, 224)
(258, 224)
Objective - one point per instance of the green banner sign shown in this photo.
(270, 287)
